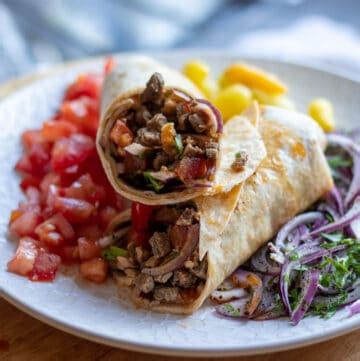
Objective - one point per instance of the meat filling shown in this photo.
(166, 267)
(165, 139)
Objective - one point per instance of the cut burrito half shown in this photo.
(167, 258)
(160, 143)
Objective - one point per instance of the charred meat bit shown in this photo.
(161, 159)
(148, 137)
(142, 116)
(188, 217)
(154, 89)
(166, 215)
(183, 279)
(169, 107)
(199, 269)
(123, 263)
(141, 254)
(166, 294)
(144, 283)
(163, 278)
(156, 122)
(160, 244)
(178, 236)
(152, 262)
(134, 164)
(240, 161)
(193, 151)
(197, 122)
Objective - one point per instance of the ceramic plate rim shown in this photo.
(272, 346)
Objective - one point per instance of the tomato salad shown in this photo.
(69, 201)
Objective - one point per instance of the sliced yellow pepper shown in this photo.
(322, 111)
(196, 71)
(282, 101)
(252, 77)
(233, 100)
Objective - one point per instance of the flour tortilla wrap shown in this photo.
(128, 80)
(294, 175)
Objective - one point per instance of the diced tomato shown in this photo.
(39, 156)
(109, 65)
(55, 230)
(31, 137)
(48, 180)
(84, 188)
(25, 224)
(191, 168)
(45, 267)
(69, 254)
(32, 202)
(140, 216)
(94, 270)
(30, 181)
(89, 230)
(86, 84)
(33, 196)
(54, 130)
(88, 249)
(83, 112)
(121, 135)
(71, 151)
(24, 259)
(74, 210)
(24, 165)
(106, 215)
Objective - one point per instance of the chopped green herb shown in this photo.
(294, 257)
(338, 161)
(179, 144)
(152, 182)
(232, 310)
(142, 155)
(112, 252)
(327, 309)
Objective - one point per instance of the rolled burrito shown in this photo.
(172, 263)
(159, 143)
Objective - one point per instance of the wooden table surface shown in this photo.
(25, 338)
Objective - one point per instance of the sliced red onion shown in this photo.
(333, 198)
(301, 219)
(225, 296)
(216, 113)
(234, 309)
(136, 149)
(350, 216)
(324, 207)
(354, 308)
(354, 189)
(308, 285)
(354, 150)
(355, 228)
(192, 240)
(249, 280)
(260, 262)
(286, 269)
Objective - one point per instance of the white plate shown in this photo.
(96, 312)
